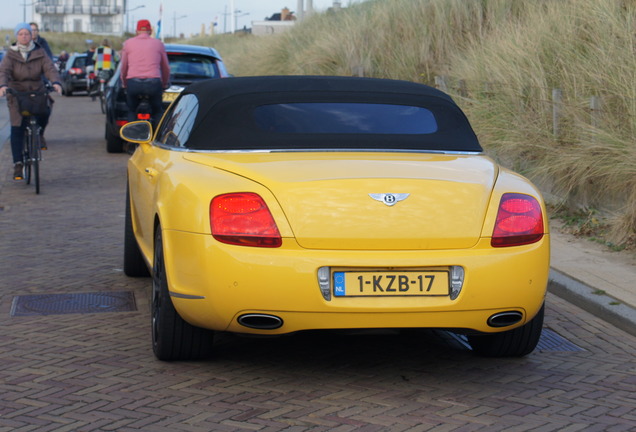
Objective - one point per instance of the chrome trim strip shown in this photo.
(186, 296)
(186, 150)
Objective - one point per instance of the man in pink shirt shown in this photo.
(144, 71)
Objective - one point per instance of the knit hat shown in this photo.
(22, 26)
(143, 25)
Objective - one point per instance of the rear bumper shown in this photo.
(76, 83)
(213, 284)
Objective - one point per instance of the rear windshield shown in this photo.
(345, 118)
(191, 66)
(329, 120)
(79, 62)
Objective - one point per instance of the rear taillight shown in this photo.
(75, 71)
(519, 221)
(243, 219)
(143, 116)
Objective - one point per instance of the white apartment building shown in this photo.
(105, 17)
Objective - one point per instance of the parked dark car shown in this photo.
(188, 64)
(74, 74)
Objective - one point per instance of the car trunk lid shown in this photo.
(345, 200)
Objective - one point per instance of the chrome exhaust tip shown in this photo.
(260, 321)
(505, 319)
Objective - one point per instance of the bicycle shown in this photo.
(32, 104)
(98, 90)
(90, 79)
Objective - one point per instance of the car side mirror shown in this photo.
(138, 132)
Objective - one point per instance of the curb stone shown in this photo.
(602, 305)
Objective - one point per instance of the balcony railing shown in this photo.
(105, 10)
(78, 10)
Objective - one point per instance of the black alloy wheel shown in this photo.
(172, 337)
(134, 263)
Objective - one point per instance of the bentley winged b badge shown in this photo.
(389, 199)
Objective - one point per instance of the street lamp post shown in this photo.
(238, 14)
(174, 23)
(25, 4)
(232, 16)
(225, 14)
(128, 15)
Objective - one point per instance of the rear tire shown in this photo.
(172, 337)
(26, 160)
(134, 263)
(517, 342)
(36, 175)
(35, 160)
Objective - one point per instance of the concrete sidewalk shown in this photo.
(594, 278)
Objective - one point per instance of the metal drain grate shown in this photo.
(74, 303)
(549, 341)
(552, 341)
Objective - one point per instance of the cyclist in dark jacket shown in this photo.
(22, 69)
(39, 40)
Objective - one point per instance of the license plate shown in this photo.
(404, 283)
(169, 96)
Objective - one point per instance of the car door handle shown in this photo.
(151, 172)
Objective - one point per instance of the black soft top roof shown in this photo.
(224, 120)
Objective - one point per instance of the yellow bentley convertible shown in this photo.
(271, 205)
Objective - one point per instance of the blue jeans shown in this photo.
(145, 86)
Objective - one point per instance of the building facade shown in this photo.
(106, 17)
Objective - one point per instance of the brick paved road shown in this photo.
(96, 371)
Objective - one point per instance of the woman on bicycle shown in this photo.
(22, 69)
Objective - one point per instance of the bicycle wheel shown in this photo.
(35, 160)
(26, 159)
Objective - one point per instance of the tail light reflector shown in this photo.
(243, 219)
(75, 71)
(519, 221)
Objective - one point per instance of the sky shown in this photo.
(187, 16)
